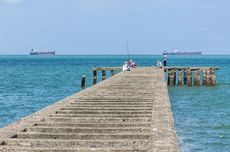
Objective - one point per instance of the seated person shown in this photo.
(132, 64)
(159, 64)
(126, 66)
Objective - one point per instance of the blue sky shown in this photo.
(104, 26)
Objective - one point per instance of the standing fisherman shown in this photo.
(165, 60)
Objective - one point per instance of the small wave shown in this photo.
(221, 127)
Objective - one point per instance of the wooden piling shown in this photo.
(171, 78)
(204, 77)
(189, 77)
(103, 74)
(179, 77)
(208, 78)
(185, 76)
(174, 82)
(169, 73)
(211, 78)
(112, 73)
(94, 77)
(197, 77)
(83, 81)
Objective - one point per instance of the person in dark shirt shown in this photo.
(165, 58)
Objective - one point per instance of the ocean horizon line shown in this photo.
(108, 55)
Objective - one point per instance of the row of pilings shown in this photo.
(103, 72)
(191, 76)
(175, 76)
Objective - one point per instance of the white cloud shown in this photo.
(203, 29)
(12, 1)
(207, 6)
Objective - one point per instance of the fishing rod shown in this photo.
(127, 47)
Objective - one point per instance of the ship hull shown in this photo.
(185, 53)
(42, 53)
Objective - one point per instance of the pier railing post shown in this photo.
(179, 77)
(189, 77)
(83, 81)
(94, 77)
(103, 74)
(197, 77)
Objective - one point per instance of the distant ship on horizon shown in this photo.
(35, 52)
(176, 52)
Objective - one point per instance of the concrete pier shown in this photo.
(129, 112)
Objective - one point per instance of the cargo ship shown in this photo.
(35, 52)
(184, 53)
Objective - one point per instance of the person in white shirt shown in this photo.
(159, 64)
(126, 66)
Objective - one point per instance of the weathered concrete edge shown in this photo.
(171, 142)
(177, 149)
(172, 118)
(173, 122)
(18, 126)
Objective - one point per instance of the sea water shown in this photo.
(201, 114)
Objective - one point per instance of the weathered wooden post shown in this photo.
(169, 73)
(94, 77)
(171, 77)
(112, 72)
(213, 81)
(189, 77)
(179, 77)
(197, 77)
(185, 76)
(208, 77)
(83, 81)
(204, 77)
(103, 74)
(174, 82)
(211, 78)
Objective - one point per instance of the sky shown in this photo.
(104, 26)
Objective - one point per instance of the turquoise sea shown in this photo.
(202, 114)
